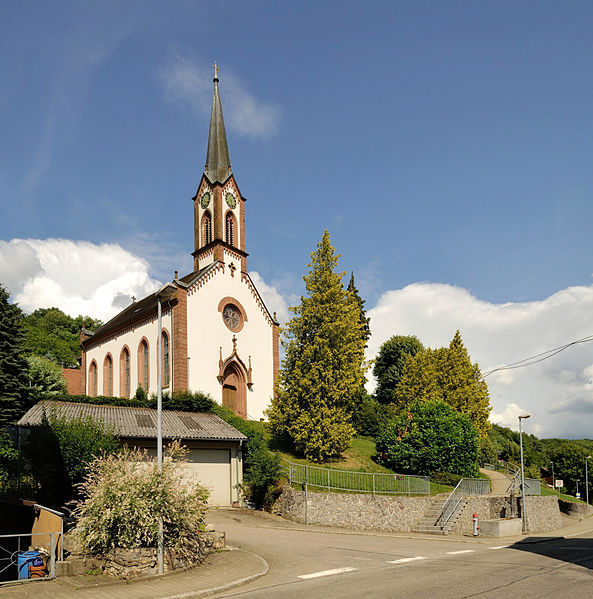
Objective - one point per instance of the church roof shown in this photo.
(134, 312)
(218, 161)
(139, 422)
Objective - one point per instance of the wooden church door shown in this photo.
(233, 390)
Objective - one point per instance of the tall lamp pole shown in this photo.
(159, 422)
(522, 417)
(587, 480)
(553, 478)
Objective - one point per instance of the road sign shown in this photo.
(559, 483)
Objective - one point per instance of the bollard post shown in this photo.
(476, 527)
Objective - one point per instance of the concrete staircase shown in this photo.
(429, 522)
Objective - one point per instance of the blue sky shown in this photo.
(447, 147)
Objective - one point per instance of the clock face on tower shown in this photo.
(205, 201)
(230, 200)
(232, 317)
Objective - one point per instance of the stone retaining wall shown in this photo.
(542, 512)
(352, 510)
(575, 510)
(388, 513)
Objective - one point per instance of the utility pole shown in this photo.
(523, 514)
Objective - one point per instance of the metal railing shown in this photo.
(355, 482)
(532, 485)
(11, 547)
(464, 488)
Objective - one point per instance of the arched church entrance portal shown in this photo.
(234, 394)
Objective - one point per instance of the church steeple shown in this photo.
(218, 162)
(219, 207)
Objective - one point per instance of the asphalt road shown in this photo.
(328, 563)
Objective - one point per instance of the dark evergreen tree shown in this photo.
(13, 366)
(363, 319)
(390, 362)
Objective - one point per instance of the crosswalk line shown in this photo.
(326, 573)
(404, 560)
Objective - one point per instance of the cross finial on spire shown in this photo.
(216, 69)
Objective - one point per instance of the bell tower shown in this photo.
(219, 207)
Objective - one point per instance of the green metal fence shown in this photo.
(355, 482)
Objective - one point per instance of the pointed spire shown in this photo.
(218, 162)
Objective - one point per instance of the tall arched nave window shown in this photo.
(93, 379)
(165, 354)
(124, 373)
(108, 376)
(143, 363)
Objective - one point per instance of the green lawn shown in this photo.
(357, 458)
(547, 491)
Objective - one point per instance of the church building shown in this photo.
(217, 334)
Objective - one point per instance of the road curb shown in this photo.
(229, 585)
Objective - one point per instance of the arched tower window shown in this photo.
(206, 228)
(143, 365)
(230, 228)
(108, 376)
(165, 354)
(124, 373)
(93, 379)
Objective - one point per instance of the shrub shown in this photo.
(45, 378)
(141, 396)
(124, 495)
(9, 456)
(60, 450)
(262, 475)
(431, 437)
(371, 415)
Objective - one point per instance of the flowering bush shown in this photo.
(124, 495)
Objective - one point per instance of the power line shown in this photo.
(538, 357)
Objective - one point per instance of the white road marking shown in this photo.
(459, 552)
(500, 547)
(326, 573)
(403, 560)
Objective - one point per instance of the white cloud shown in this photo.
(558, 392)
(76, 276)
(191, 84)
(273, 299)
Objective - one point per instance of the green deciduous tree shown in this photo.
(390, 362)
(55, 335)
(429, 437)
(13, 366)
(323, 368)
(45, 380)
(449, 375)
(569, 465)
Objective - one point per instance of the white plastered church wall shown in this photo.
(131, 338)
(207, 333)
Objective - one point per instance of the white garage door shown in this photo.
(212, 468)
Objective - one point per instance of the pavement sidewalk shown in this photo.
(220, 571)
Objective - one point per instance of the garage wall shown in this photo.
(217, 465)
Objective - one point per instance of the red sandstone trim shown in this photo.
(122, 372)
(145, 372)
(75, 380)
(179, 341)
(276, 354)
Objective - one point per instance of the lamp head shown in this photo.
(525, 416)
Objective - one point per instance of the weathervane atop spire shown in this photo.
(216, 69)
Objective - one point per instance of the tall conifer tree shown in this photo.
(447, 374)
(13, 366)
(323, 366)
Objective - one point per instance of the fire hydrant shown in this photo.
(476, 527)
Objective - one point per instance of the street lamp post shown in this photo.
(587, 480)
(578, 480)
(553, 478)
(522, 417)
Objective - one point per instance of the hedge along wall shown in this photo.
(389, 513)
